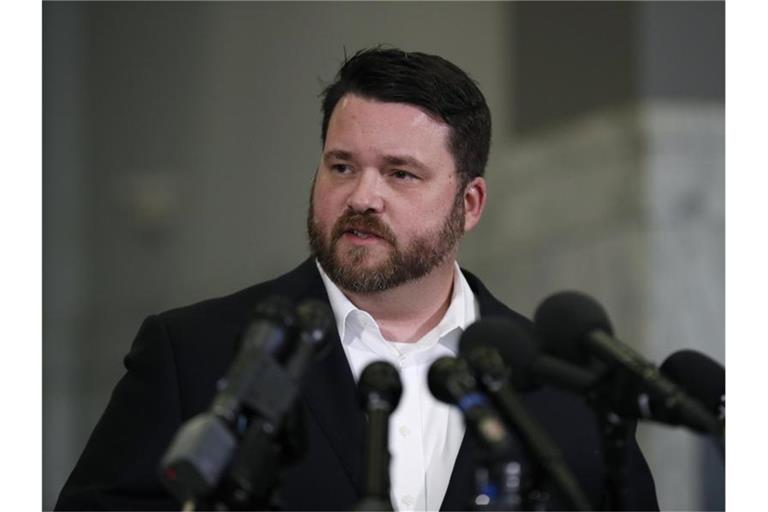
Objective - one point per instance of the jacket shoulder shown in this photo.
(490, 305)
(203, 338)
(237, 307)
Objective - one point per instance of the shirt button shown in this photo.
(404, 431)
(407, 500)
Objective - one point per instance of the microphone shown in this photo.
(315, 321)
(575, 327)
(529, 368)
(268, 340)
(232, 451)
(500, 480)
(450, 380)
(479, 346)
(700, 376)
(379, 390)
(194, 463)
(275, 435)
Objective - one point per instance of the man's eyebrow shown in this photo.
(338, 154)
(395, 160)
(404, 160)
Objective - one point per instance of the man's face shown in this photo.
(386, 206)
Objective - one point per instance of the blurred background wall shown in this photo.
(180, 139)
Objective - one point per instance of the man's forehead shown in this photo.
(399, 133)
(361, 118)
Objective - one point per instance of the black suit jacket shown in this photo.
(177, 359)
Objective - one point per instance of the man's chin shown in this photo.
(359, 267)
(364, 257)
(364, 266)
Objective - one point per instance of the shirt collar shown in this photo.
(462, 310)
(340, 304)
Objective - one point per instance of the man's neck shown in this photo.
(408, 312)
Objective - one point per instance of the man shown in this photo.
(405, 142)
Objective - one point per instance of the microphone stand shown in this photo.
(379, 389)
(616, 433)
(377, 458)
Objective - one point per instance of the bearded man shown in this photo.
(405, 139)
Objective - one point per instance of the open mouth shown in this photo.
(362, 230)
(362, 234)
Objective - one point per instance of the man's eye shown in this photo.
(403, 175)
(341, 168)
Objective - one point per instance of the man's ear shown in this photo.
(474, 202)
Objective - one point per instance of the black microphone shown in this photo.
(529, 368)
(201, 450)
(450, 380)
(379, 390)
(276, 438)
(575, 327)
(479, 346)
(315, 321)
(500, 480)
(700, 376)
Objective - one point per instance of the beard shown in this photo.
(418, 258)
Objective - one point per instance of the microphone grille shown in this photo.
(509, 338)
(513, 342)
(564, 319)
(700, 376)
(449, 377)
(380, 382)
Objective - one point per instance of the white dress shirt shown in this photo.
(424, 434)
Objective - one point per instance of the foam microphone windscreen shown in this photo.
(700, 376)
(380, 383)
(513, 343)
(449, 378)
(564, 320)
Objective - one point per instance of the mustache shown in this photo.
(367, 222)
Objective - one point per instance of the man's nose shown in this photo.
(366, 194)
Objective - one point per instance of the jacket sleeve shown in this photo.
(118, 470)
